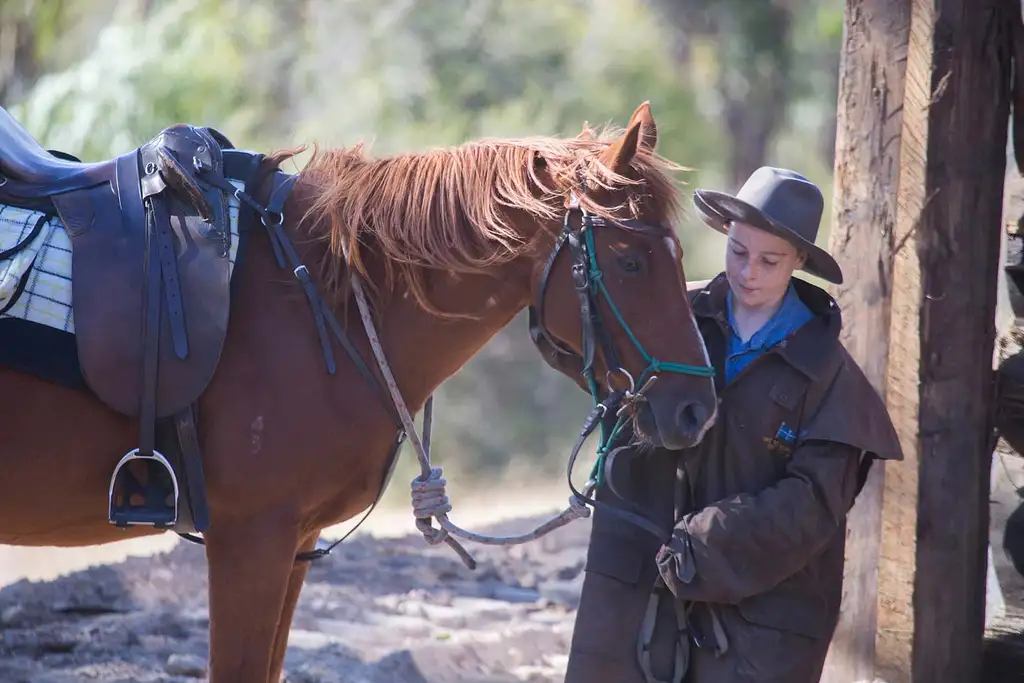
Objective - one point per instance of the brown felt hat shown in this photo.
(778, 201)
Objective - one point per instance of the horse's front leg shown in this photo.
(250, 564)
(291, 599)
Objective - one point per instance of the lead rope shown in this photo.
(429, 497)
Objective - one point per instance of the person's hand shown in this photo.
(675, 560)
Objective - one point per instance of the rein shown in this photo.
(429, 498)
(588, 281)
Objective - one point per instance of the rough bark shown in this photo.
(869, 121)
(970, 53)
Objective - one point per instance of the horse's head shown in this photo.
(610, 306)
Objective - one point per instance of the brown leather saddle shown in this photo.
(151, 241)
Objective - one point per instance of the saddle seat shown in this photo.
(42, 173)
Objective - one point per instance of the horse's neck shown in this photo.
(424, 350)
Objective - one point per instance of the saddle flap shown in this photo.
(112, 235)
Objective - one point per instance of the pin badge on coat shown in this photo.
(782, 442)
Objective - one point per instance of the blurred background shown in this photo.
(734, 84)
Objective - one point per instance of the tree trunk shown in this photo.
(869, 121)
(755, 57)
(754, 85)
(18, 66)
(935, 518)
(966, 50)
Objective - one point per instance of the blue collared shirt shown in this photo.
(792, 314)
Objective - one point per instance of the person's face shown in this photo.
(759, 265)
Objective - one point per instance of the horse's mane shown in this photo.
(452, 208)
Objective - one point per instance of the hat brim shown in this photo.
(717, 209)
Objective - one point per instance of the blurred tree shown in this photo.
(105, 75)
(29, 30)
(153, 64)
(754, 56)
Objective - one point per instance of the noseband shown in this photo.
(588, 281)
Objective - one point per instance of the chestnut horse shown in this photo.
(452, 244)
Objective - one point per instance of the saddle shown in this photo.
(150, 290)
(40, 172)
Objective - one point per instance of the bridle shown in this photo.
(588, 281)
(430, 500)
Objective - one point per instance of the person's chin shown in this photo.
(748, 297)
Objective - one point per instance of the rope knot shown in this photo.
(431, 535)
(578, 508)
(429, 497)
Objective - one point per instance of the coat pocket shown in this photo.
(797, 605)
(615, 556)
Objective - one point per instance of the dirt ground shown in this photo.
(376, 610)
(384, 607)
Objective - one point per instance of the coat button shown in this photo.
(783, 397)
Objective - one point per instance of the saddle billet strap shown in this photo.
(169, 273)
(151, 338)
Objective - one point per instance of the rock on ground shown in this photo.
(375, 610)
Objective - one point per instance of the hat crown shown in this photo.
(787, 198)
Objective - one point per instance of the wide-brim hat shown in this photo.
(778, 201)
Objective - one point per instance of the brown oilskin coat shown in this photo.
(759, 527)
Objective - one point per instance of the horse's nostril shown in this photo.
(690, 417)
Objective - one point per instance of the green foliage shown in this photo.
(408, 75)
(180, 64)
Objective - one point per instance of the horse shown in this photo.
(452, 244)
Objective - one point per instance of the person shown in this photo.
(747, 581)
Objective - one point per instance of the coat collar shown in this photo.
(811, 348)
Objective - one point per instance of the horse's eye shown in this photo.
(629, 264)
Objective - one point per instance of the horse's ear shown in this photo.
(586, 133)
(641, 131)
(621, 152)
(648, 129)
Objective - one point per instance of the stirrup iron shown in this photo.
(123, 484)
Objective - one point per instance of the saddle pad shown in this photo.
(35, 272)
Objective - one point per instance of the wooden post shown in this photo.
(961, 51)
(919, 309)
(869, 123)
